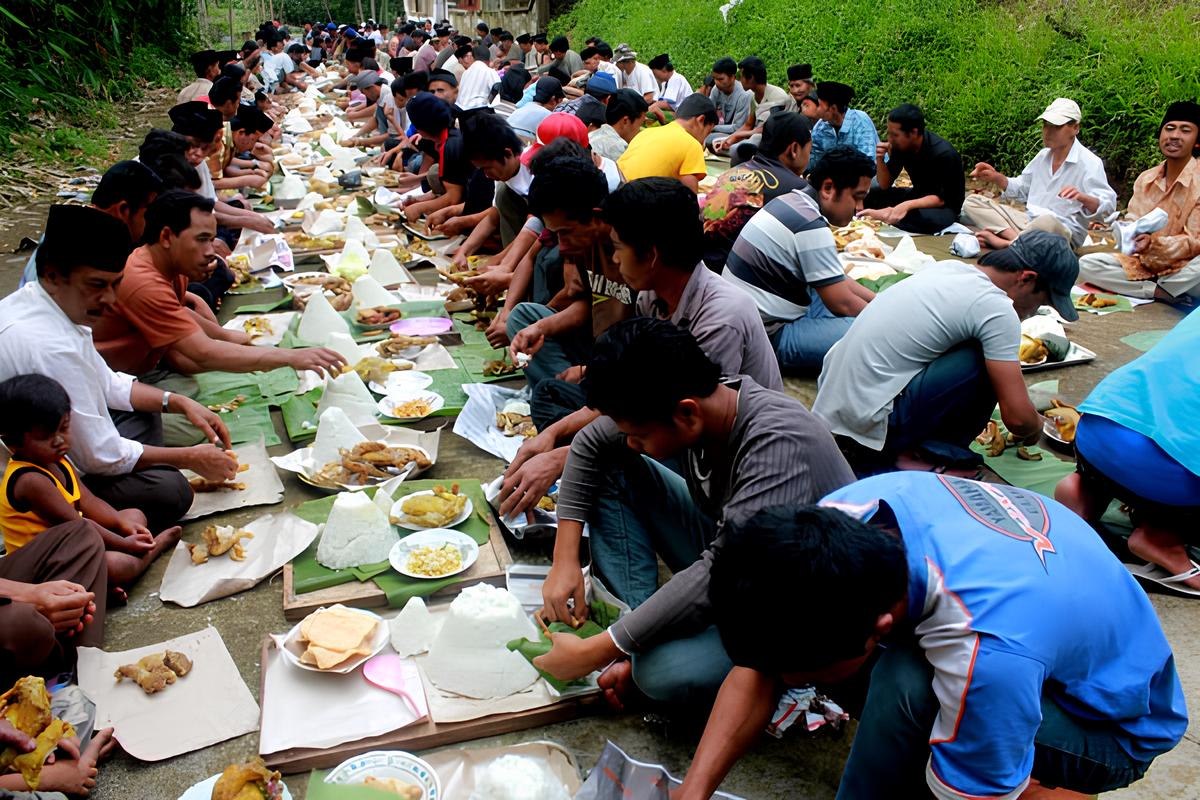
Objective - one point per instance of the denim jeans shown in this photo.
(644, 511)
(556, 353)
(802, 343)
(891, 747)
(948, 402)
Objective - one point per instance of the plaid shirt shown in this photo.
(857, 131)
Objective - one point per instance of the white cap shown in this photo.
(1062, 111)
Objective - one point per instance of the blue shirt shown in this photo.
(857, 131)
(1158, 394)
(1013, 596)
(30, 272)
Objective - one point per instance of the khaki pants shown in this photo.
(1105, 271)
(985, 213)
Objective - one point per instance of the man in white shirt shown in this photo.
(476, 82)
(765, 99)
(672, 87)
(1064, 187)
(45, 329)
(634, 75)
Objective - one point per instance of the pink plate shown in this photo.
(422, 326)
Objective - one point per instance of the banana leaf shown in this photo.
(531, 650)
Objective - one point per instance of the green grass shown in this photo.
(982, 70)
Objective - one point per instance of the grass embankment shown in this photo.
(982, 70)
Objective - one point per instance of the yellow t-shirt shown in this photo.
(20, 526)
(668, 151)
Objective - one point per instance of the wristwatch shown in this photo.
(166, 400)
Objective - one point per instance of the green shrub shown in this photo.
(982, 70)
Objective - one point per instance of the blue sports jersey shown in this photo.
(1012, 596)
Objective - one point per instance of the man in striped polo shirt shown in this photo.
(786, 259)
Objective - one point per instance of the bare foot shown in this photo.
(992, 240)
(166, 539)
(1164, 547)
(617, 683)
(77, 776)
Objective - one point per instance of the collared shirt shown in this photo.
(732, 108)
(773, 98)
(194, 91)
(475, 86)
(674, 90)
(37, 337)
(857, 131)
(936, 169)
(725, 322)
(1038, 186)
(611, 69)
(607, 142)
(1179, 241)
(781, 252)
(424, 58)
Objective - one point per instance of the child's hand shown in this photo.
(138, 544)
(130, 524)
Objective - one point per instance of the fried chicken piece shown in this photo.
(249, 781)
(26, 706)
(155, 672)
(203, 486)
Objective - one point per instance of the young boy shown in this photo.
(41, 489)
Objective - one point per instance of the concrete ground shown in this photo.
(797, 767)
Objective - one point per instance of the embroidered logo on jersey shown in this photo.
(1014, 513)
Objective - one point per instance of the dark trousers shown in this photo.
(161, 493)
(923, 220)
(71, 552)
(891, 746)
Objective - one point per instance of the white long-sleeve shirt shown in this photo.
(37, 337)
(1038, 186)
(675, 90)
(475, 85)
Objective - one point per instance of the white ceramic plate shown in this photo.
(435, 537)
(397, 514)
(402, 382)
(388, 764)
(292, 649)
(203, 790)
(388, 403)
(307, 453)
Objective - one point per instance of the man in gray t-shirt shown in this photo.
(739, 448)
(924, 364)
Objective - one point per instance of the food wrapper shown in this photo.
(303, 461)
(477, 421)
(320, 319)
(907, 258)
(263, 487)
(279, 323)
(806, 706)
(309, 202)
(460, 768)
(357, 229)
(302, 708)
(278, 538)
(616, 776)
(208, 705)
(348, 392)
(324, 222)
(290, 188)
(369, 292)
(385, 269)
(351, 262)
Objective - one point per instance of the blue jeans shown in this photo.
(891, 747)
(643, 511)
(948, 402)
(557, 353)
(802, 343)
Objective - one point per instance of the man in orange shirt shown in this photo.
(150, 325)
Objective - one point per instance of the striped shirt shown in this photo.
(778, 453)
(783, 250)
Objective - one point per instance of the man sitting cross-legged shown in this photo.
(740, 448)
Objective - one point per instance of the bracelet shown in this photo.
(166, 400)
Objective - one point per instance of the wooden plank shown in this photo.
(428, 734)
(491, 567)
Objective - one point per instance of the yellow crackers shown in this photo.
(334, 635)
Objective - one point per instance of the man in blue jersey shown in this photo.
(995, 674)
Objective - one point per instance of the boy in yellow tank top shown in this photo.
(41, 489)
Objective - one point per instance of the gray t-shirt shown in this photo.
(726, 324)
(778, 454)
(899, 333)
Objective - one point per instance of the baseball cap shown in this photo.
(624, 53)
(601, 85)
(546, 89)
(1062, 111)
(1051, 257)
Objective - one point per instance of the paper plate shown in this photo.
(389, 401)
(422, 326)
(388, 764)
(434, 536)
(292, 649)
(398, 514)
(402, 381)
(204, 789)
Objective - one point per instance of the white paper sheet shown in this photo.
(279, 322)
(319, 319)
(477, 421)
(461, 768)
(369, 292)
(348, 392)
(208, 705)
(278, 538)
(434, 357)
(302, 460)
(302, 708)
(263, 487)
(387, 270)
